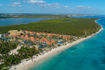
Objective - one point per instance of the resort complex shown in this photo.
(52, 34)
(35, 38)
(40, 41)
(21, 43)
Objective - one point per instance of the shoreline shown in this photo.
(24, 65)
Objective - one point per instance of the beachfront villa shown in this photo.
(35, 39)
(15, 32)
(29, 43)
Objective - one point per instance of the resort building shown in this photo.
(0, 35)
(15, 32)
(36, 47)
(35, 39)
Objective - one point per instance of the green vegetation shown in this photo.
(26, 52)
(69, 26)
(9, 60)
(5, 47)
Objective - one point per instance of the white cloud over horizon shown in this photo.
(46, 6)
(36, 1)
(14, 4)
(53, 5)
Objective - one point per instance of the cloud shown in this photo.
(42, 3)
(81, 9)
(80, 6)
(66, 6)
(53, 5)
(36, 1)
(16, 4)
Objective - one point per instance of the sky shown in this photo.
(53, 6)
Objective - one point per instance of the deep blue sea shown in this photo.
(87, 55)
(14, 21)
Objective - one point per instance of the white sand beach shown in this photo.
(27, 63)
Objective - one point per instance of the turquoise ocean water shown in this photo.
(87, 55)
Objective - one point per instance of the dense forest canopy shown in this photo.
(69, 26)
